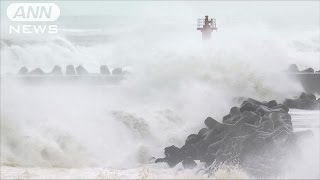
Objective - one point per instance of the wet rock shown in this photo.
(250, 117)
(214, 147)
(160, 160)
(234, 111)
(202, 133)
(267, 125)
(173, 155)
(117, 71)
(293, 68)
(226, 117)
(210, 122)
(233, 116)
(189, 150)
(303, 96)
(272, 104)
(192, 139)
(290, 103)
(255, 102)
(247, 106)
(286, 118)
(255, 130)
(208, 158)
(57, 70)
(24, 70)
(201, 149)
(305, 101)
(311, 97)
(260, 111)
(232, 120)
(36, 71)
(276, 118)
(283, 107)
(81, 70)
(189, 163)
(70, 70)
(104, 70)
(308, 70)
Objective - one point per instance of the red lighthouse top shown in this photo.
(206, 26)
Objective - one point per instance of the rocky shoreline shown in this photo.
(70, 70)
(255, 135)
(308, 78)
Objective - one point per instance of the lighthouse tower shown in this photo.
(206, 26)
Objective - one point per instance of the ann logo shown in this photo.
(37, 13)
(33, 12)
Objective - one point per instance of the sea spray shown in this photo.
(176, 80)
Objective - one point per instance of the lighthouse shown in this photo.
(206, 26)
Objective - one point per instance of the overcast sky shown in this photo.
(283, 15)
(301, 10)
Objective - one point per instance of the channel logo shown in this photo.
(30, 13)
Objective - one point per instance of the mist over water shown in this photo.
(176, 80)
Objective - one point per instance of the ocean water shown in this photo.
(175, 81)
(303, 165)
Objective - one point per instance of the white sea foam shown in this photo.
(176, 82)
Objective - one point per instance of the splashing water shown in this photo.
(176, 82)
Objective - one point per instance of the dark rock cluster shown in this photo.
(308, 78)
(70, 70)
(36, 71)
(307, 101)
(117, 71)
(294, 68)
(104, 69)
(24, 70)
(253, 131)
(56, 70)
